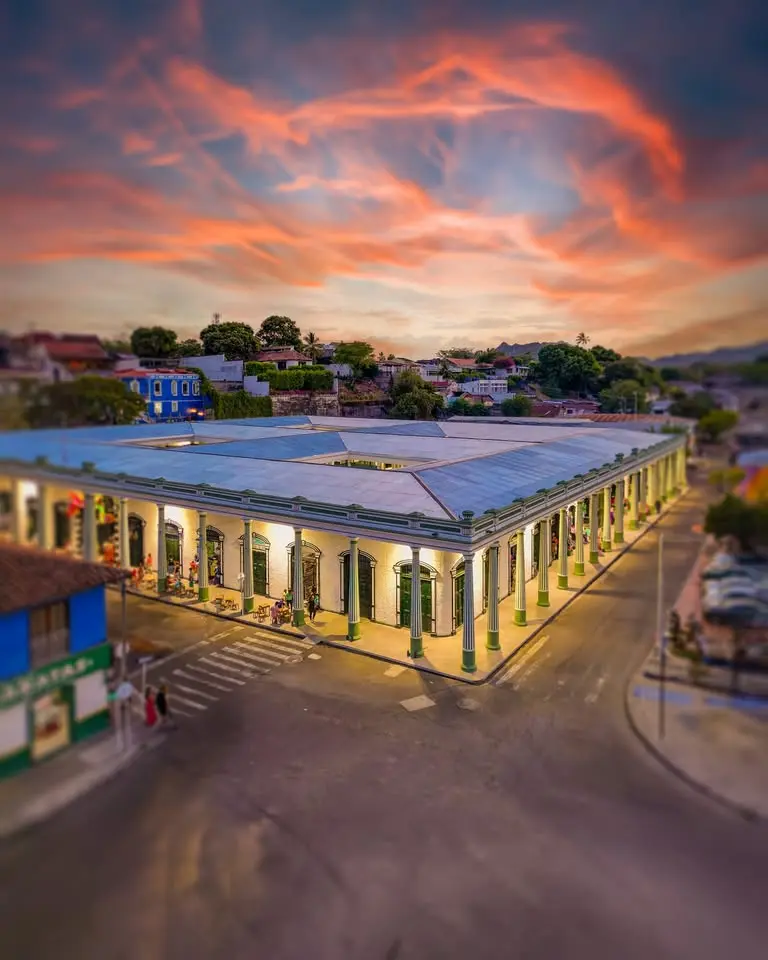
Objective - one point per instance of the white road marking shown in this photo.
(314, 656)
(183, 713)
(223, 666)
(190, 703)
(209, 673)
(253, 657)
(219, 636)
(258, 654)
(290, 643)
(518, 665)
(393, 671)
(263, 645)
(592, 697)
(196, 693)
(207, 683)
(417, 703)
(240, 662)
(240, 626)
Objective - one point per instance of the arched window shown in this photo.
(260, 560)
(214, 551)
(366, 567)
(427, 579)
(310, 566)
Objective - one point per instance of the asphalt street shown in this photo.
(309, 813)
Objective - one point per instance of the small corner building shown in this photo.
(170, 394)
(54, 654)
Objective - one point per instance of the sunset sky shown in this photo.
(417, 174)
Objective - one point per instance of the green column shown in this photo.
(416, 648)
(89, 527)
(562, 573)
(634, 501)
(247, 566)
(203, 590)
(594, 528)
(492, 638)
(162, 553)
(123, 541)
(468, 663)
(578, 563)
(353, 591)
(606, 544)
(545, 538)
(618, 533)
(298, 578)
(520, 603)
(44, 518)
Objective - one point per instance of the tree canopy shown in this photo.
(278, 331)
(745, 522)
(604, 354)
(156, 342)
(190, 348)
(87, 400)
(519, 406)
(357, 354)
(715, 423)
(457, 353)
(563, 367)
(236, 341)
(693, 406)
(461, 407)
(624, 396)
(414, 398)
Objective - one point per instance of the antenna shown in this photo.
(216, 317)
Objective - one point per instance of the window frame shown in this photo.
(157, 388)
(174, 388)
(185, 388)
(54, 642)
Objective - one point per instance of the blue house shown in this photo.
(54, 653)
(170, 394)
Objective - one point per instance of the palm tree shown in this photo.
(312, 343)
(582, 340)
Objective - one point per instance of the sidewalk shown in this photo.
(717, 744)
(38, 793)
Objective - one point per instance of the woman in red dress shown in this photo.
(150, 710)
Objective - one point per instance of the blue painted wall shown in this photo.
(166, 397)
(87, 619)
(14, 644)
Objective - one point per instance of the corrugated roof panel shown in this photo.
(416, 428)
(286, 445)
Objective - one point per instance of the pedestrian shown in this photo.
(658, 506)
(150, 710)
(274, 612)
(314, 605)
(161, 701)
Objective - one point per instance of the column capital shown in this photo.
(354, 539)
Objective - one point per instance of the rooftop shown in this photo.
(449, 467)
(33, 577)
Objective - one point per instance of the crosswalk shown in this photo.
(532, 665)
(220, 665)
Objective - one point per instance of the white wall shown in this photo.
(256, 387)
(90, 695)
(13, 729)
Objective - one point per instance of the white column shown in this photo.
(594, 528)
(417, 644)
(298, 578)
(162, 552)
(618, 533)
(18, 513)
(607, 519)
(520, 604)
(634, 501)
(562, 573)
(44, 518)
(492, 638)
(468, 663)
(89, 527)
(578, 562)
(247, 566)
(123, 538)
(353, 591)
(545, 549)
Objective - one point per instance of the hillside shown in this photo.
(516, 349)
(722, 355)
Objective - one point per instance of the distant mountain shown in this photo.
(723, 355)
(515, 349)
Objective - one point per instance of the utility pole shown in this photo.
(662, 640)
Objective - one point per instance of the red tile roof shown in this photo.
(32, 577)
(462, 362)
(145, 372)
(67, 346)
(274, 356)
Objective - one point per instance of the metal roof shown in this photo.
(475, 466)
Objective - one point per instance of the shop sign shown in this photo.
(64, 671)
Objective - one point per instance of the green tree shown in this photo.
(236, 341)
(87, 400)
(624, 369)
(414, 398)
(457, 353)
(357, 354)
(155, 342)
(278, 331)
(485, 356)
(519, 406)
(189, 348)
(669, 374)
(746, 522)
(714, 424)
(461, 407)
(13, 412)
(567, 368)
(604, 354)
(312, 346)
(726, 479)
(117, 346)
(693, 406)
(754, 374)
(624, 396)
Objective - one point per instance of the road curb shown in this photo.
(20, 825)
(746, 813)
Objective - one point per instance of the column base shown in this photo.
(298, 618)
(492, 640)
(416, 649)
(594, 557)
(618, 538)
(203, 593)
(468, 664)
(521, 620)
(634, 524)
(247, 604)
(578, 569)
(607, 546)
(162, 585)
(353, 631)
(543, 600)
(562, 581)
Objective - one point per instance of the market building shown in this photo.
(351, 509)
(54, 654)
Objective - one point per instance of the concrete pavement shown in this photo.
(312, 814)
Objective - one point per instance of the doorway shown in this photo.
(365, 566)
(260, 563)
(214, 550)
(405, 588)
(135, 540)
(310, 568)
(174, 545)
(62, 525)
(512, 566)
